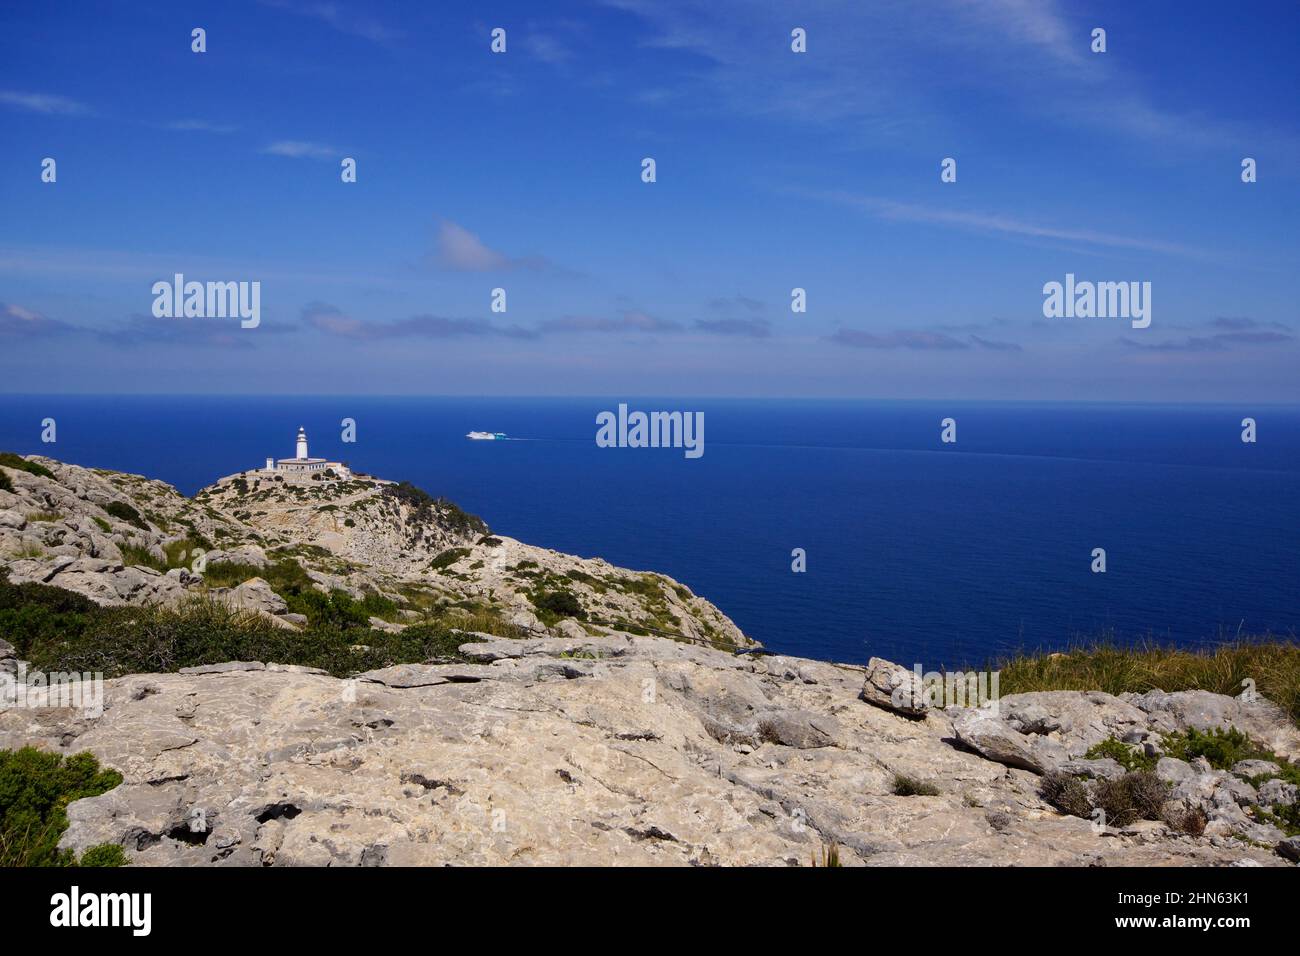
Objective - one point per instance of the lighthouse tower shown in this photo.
(303, 466)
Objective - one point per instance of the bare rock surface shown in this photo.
(621, 750)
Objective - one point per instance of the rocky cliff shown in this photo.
(573, 747)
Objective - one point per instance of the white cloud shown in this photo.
(462, 251)
(200, 126)
(300, 149)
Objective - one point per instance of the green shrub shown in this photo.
(35, 790)
(1222, 748)
(106, 854)
(5, 483)
(447, 558)
(17, 462)
(33, 613)
(552, 606)
(124, 512)
(1283, 816)
(1126, 755)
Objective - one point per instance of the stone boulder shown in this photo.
(894, 687)
(255, 594)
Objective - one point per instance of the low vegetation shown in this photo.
(17, 462)
(125, 512)
(1270, 665)
(554, 606)
(905, 786)
(60, 631)
(35, 790)
(426, 509)
(1139, 794)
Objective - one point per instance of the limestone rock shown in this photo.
(894, 687)
(989, 736)
(254, 594)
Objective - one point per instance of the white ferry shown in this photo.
(487, 436)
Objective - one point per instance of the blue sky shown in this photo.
(775, 170)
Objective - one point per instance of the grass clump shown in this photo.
(1272, 664)
(1067, 794)
(35, 790)
(1135, 796)
(1138, 795)
(905, 786)
(830, 857)
(228, 574)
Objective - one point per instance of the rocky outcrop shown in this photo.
(597, 751)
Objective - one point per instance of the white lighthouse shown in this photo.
(302, 465)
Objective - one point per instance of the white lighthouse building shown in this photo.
(302, 464)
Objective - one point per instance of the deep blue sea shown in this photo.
(916, 551)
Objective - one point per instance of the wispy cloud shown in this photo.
(547, 48)
(332, 320)
(139, 330)
(728, 305)
(41, 103)
(460, 250)
(1240, 323)
(200, 126)
(995, 345)
(998, 224)
(745, 328)
(1033, 55)
(301, 149)
(1210, 343)
(632, 320)
(926, 341)
(345, 17)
